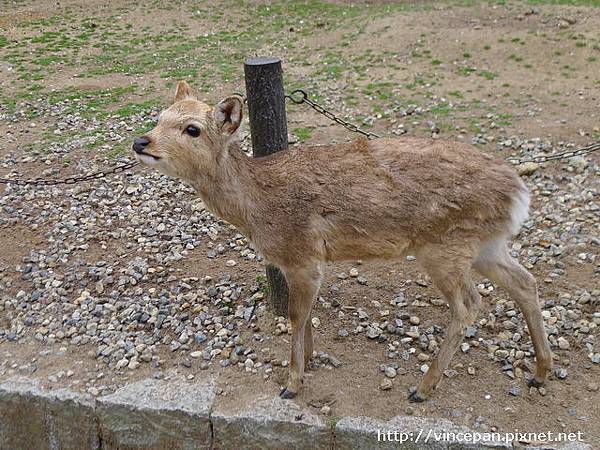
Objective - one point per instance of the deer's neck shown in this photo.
(230, 191)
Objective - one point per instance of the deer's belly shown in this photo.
(351, 246)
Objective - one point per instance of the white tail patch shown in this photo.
(519, 210)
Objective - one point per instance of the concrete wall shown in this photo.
(157, 414)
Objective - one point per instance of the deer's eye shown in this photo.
(192, 131)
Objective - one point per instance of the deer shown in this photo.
(450, 205)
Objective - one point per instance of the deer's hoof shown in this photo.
(534, 383)
(287, 394)
(414, 397)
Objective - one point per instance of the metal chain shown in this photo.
(349, 126)
(300, 96)
(563, 155)
(70, 180)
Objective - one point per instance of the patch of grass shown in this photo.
(332, 422)
(117, 151)
(35, 87)
(442, 109)
(488, 75)
(381, 90)
(263, 284)
(567, 2)
(303, 133)
(466, 71)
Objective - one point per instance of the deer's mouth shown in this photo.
(149, 154)
(147, 158)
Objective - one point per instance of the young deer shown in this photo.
(448, 204)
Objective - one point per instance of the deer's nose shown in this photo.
(139, 143)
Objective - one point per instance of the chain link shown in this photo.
(300, 96)
(70, 180)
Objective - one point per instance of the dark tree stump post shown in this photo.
(268, 127)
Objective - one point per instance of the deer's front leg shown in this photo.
(303, 283)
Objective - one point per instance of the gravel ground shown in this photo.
(107, 272)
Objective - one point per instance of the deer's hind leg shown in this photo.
(308, 342)
(494, 262)
(449, 269)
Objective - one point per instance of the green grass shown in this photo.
(488, 75)
(89, 47)
(466, 71)
(263, 284)
(567, 2)
(303, 133)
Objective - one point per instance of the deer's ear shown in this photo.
(184, 91)
(228, 114)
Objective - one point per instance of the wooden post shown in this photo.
(268, 128)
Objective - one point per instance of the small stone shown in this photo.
(353, 272)
(196, 354)
(94, 391)
(527, 168)
(334, 361)
(414, 320)
(316, 322)
(592, 387)
(464, 347)
(386, 384)
(372, 332)
(122, 363)
(561, 373)
(423, 357)
(362, 281)
(326, 410)
(501, 354)
(343, 333)
(390, 372)
(133, 364)
(230, 263)
(471, 331)
(450, 373)
(563, 343)
(515, 390)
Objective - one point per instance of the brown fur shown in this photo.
(445, 202)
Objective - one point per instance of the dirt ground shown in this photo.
(482, 72)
